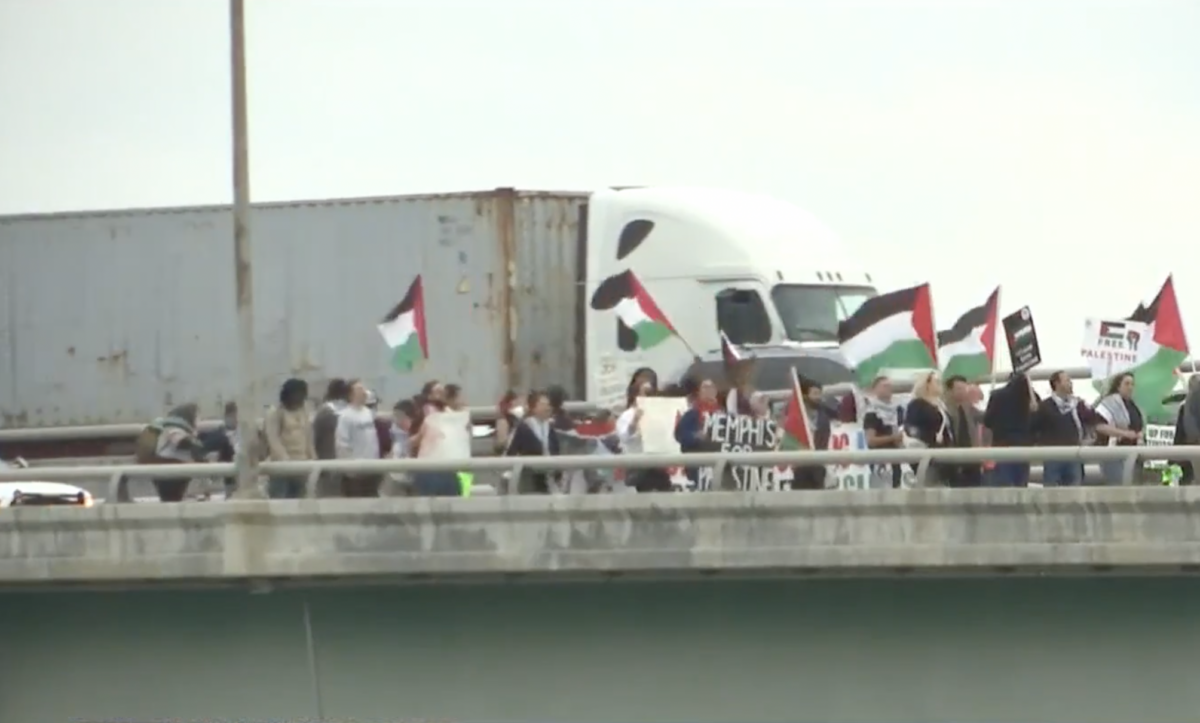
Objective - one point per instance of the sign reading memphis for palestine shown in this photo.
(744, 433)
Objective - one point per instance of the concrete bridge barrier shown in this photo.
(885, 532)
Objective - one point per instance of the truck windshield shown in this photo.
(812, 313)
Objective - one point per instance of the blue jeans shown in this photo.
(1010, 474)
(285, 488)
(1062, 474)
(437, 484)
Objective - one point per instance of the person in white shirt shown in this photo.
(357, 438)
(630, 435)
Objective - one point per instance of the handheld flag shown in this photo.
(968, 349)
(798, 432)
(890, 331)
(1159, 356)
(403, 329)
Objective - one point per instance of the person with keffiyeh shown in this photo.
(1123, 424)
(1064, 420)
(883, 423)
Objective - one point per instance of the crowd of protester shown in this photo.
(940, 414)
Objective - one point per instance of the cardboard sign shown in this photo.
(1023, 349)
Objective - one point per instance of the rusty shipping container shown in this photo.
(113, 317)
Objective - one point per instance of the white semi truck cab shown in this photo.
(702, 261)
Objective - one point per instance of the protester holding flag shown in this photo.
(1124, 424)
(1010, 417)
(739, 374)
(807, 426)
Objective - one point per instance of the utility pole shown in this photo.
(247, 398)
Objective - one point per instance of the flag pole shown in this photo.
(995, 334)
(247, 398)
(686, 345)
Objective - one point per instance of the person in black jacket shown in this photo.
(964, 431)
(1187, 427)
(1063, 420)
(927, 423)
(535, 436)
(1010, 416)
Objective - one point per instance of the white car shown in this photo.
(14, 494)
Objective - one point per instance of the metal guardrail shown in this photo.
(478, 414)
(119, 476)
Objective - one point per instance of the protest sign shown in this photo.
(850, 436)
(744, 433)
(446, 435)
(1113, 346)
(1159, 435)
(657, 427)
(1023, 349)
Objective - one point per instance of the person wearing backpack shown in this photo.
(289, 436)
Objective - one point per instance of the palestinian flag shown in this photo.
(1159, 357)
(967, 349)
(797, 431)
(639, 312)
(891, 331)
(403, 329)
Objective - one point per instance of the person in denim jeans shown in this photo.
(1063, 420)
(1010, 415)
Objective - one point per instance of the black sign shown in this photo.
(1023, 347)
(743, 433)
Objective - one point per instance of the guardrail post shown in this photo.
(311, 483)
(719, 475)
(1129, 467)
(118, 488)
(923, 470)
(512, 486)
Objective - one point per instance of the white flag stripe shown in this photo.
(878, 337)
(399, 330)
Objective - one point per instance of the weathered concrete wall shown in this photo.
(1086, 650)
(850, 533)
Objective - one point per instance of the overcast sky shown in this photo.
(1052, 147)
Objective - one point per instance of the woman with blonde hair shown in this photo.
(927, 421)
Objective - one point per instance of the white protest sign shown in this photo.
(1114, 346)
(1159, 435)
(657, 427)
(446, 435)
(851, 437)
